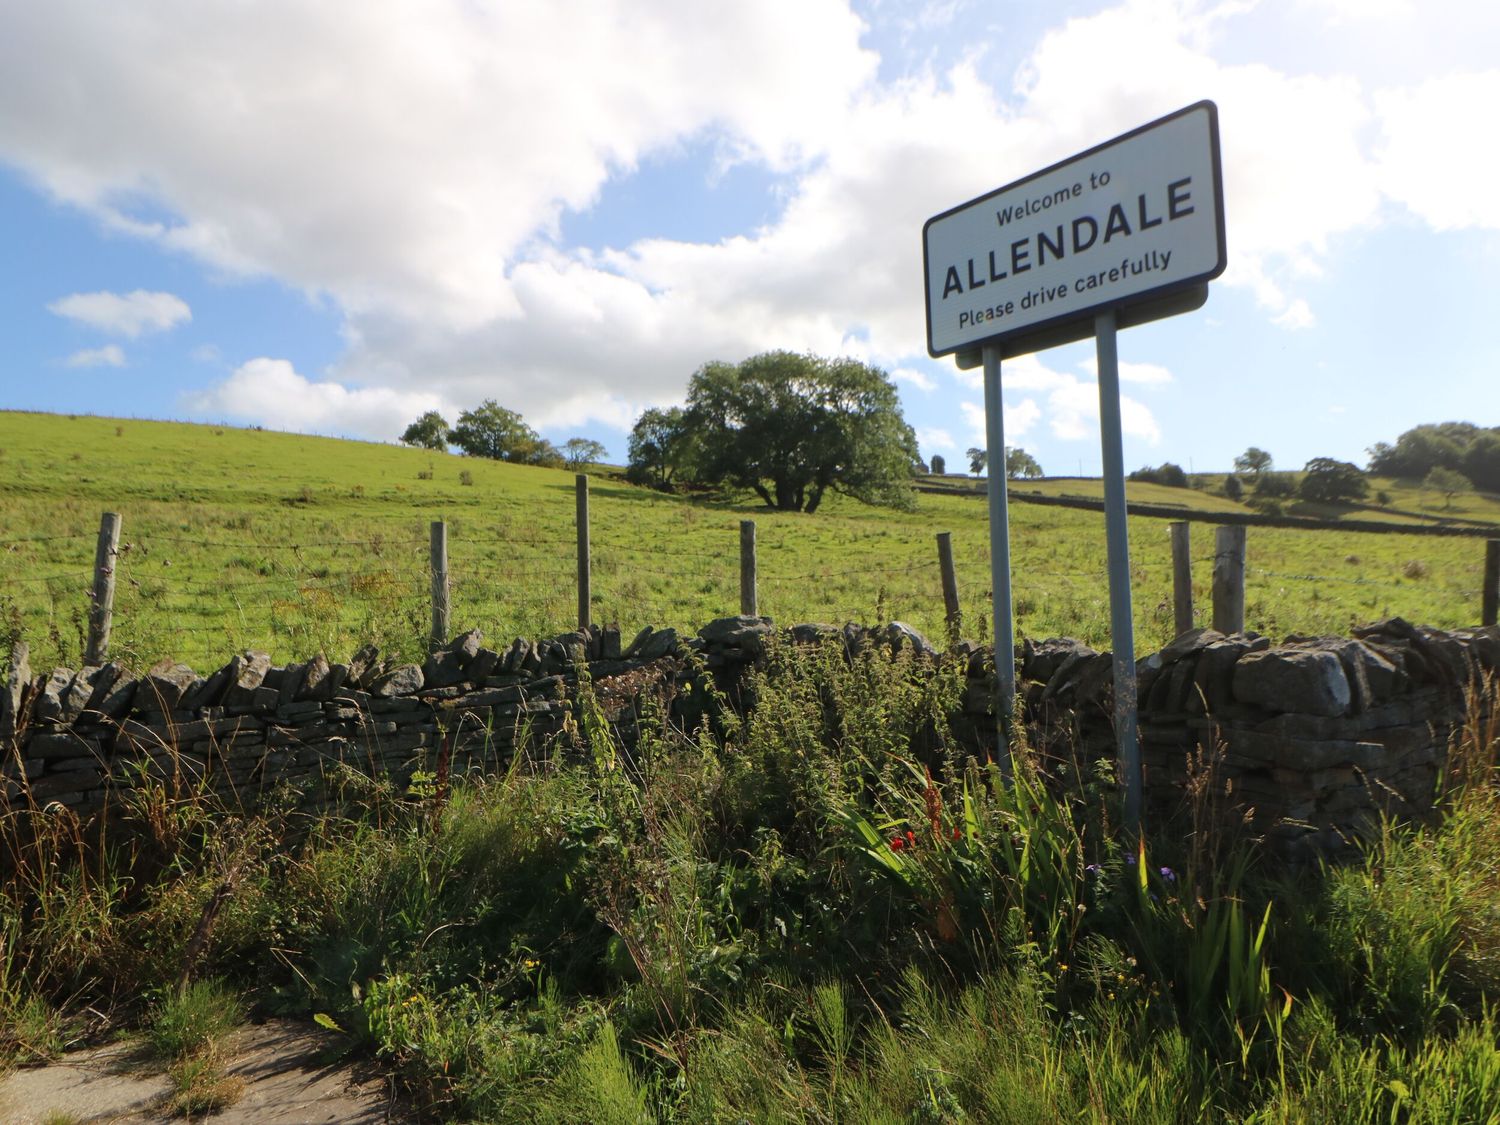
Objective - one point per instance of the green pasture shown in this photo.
(239, 538)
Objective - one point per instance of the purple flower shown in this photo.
(1169, 875)
(1129, 860)
(1093, 869)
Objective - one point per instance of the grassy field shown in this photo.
(242, 538)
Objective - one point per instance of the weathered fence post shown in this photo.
(1491, 598)
(439, 585)
(581, 482)
(1229, 579)
(102, 607)
(1182, 576)
(749, 597)
(951, 612)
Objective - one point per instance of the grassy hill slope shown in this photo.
(244, 538)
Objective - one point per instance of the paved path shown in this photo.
(283, 1064)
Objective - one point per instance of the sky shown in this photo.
(330, 218)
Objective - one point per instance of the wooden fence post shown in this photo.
(749, 597)
(581, 484)
(102, 606)
(1491, 598)
(1229, 579)
(951, 611)
(439, 585)
(1182, 576)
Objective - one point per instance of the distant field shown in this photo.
(243, 538)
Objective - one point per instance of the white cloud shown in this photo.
(111, 355)
(1147, 374)
(414, 160)
(911, 376)
(1021, 417)
(935, 439)
(130, 314)
(1432, 159)
(271, 392)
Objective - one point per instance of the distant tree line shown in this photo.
(490, 430)
(1462, 448)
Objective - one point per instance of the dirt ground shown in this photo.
(288, 1081)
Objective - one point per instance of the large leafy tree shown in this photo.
(578, 452)
(490, 430)
(1253, 462)
(790, 427)
(661, 447)
(428, 432)
(1020, 465)
(978, 459)
(1332, 481)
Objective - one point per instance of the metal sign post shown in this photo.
(1117, 538)
(1000, 597)
(1127, 232)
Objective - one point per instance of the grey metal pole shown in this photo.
(1005, 628)
(1117, 536)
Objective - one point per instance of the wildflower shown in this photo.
(911, 838)
(958, 833)
(897, 843)
(1169, 875)
(1130, 861)
(1093, 869)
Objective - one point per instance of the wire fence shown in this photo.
(196, 598)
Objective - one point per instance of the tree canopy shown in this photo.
(939, 464)
(660, 449)
(490, 430)
(578, 452)
(428, 432)
(1253, 462)
(1461, 447)
(1020, 465)
(790, 427)
(1332, 481)
(978, 459)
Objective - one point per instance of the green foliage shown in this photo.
(578, 452)
(490, 430)
(662, 447)
(1447, 481)
(1329, 481)
(428, 432)
(1232, 487)
(939, 464)
(791, 427)
(1167, 473)
(978, 459)
(194, 1021)
(1254, 462)
(1020, 465)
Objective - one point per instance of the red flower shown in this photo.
(911, 838)
(897, 843)
(958, 833)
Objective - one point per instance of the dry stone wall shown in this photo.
(1310, 739)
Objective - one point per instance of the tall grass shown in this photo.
(822, 909)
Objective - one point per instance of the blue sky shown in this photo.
(330, 219)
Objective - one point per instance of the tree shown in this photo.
(1481, 462)
(490, 430)
(661, 448)
(1233, 490)
(1253, 462)
(939, 465)
(978, 460)
(1332, 482)
(428, 432)
(1020, 465)
(1447, 481)
(790, 427)
(1167, 473)
(578, 452)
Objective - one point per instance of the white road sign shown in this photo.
(1126, 224)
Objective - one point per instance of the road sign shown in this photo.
(1135, 225)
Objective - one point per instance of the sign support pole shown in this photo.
(1005, 631)
(1117, 535)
